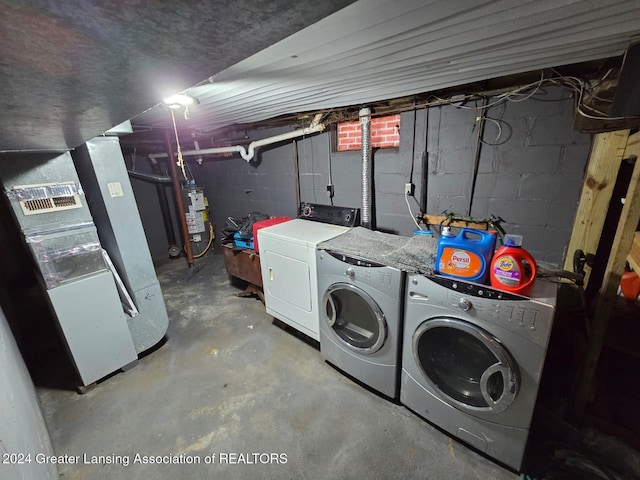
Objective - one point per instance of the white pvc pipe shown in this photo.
(249, 152)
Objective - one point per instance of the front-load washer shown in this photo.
(361, 319)
(472, 358)
(288, 267)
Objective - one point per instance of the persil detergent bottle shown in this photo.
(465, 256)
(513, 268)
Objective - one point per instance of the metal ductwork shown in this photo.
(365, 123)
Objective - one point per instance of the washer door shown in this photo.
(355, 318)
(469, 367)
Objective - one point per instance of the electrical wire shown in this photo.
(331, 192)
(211, 237)
(575, 84)
(406, 199)
(527, 97)
(584, 114)
(178, 148)
(313, 188)
(497, 123)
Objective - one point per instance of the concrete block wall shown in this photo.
(532, 175)
(392, 169)
(530, 171)
(266, 184)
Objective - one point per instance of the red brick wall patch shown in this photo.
(385, 133)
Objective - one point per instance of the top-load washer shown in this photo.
(472, 358)
(288, 264)
(361, 318)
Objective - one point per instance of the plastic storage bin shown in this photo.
(242, 242)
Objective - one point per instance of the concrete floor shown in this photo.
(230, 381)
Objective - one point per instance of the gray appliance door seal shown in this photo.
(355, 318)
(468, 367)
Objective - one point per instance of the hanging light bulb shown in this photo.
(180, 100)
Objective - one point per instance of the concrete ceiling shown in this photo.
(72, 69)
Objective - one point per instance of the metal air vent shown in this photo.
(47, 197)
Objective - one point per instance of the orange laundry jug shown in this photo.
(630, 285)
(513, 268)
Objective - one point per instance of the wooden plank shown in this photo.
(606, 156)
(605, 124)
(444, 221)
(634, 253)
(633, 146)
(606, 300)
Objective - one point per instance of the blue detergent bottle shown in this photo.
(466, 256)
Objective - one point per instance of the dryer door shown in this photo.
(468, 367)
(355, 318)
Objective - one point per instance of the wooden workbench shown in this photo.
(245, 265)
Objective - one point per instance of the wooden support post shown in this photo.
(634, 253)
(607, 297)
(633, 146)
(604, 163)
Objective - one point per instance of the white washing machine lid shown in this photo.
(304, 232)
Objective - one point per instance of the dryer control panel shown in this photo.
(360, 262)
(347, 217)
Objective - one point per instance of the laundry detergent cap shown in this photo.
(511, 240)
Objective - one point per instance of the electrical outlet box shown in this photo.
(408, 188)
(330, 191)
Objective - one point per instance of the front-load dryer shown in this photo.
(361, 319)
(472, 358)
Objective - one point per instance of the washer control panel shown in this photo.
(532, 319)
(474, 289)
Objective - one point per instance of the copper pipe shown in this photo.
(177, 193)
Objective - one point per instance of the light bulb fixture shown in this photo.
(175, 102)
(180, 100)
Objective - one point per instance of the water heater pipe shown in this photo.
(177, 193)
(149, 177)
(365, 123)
(249, 152)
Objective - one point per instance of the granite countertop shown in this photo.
(410, 254)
